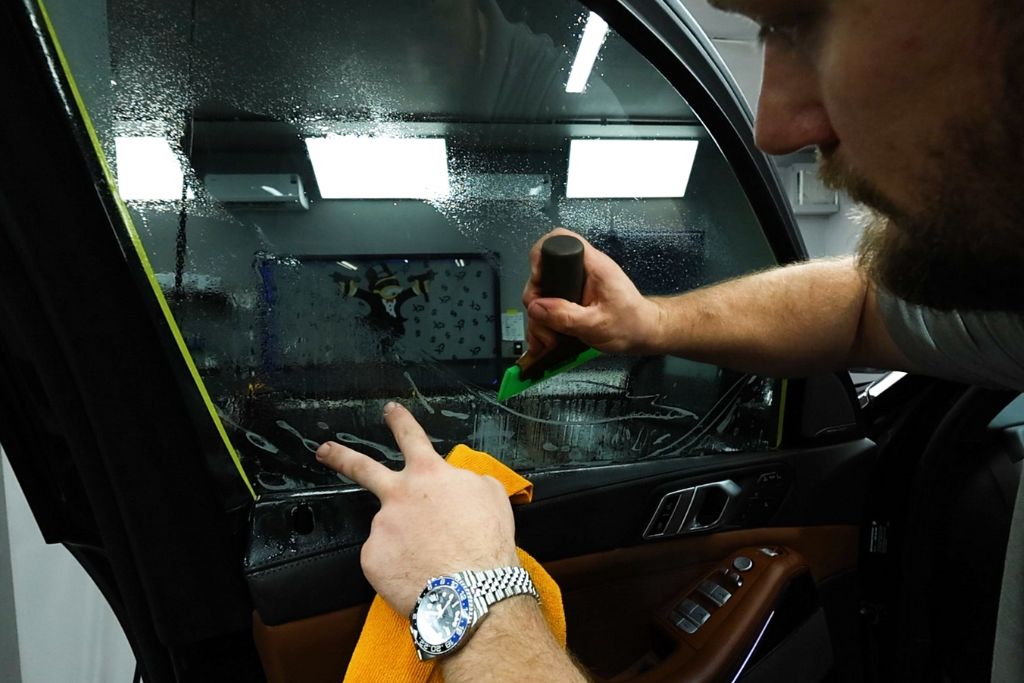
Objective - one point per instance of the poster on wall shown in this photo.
(326, 310)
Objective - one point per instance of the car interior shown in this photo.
(230, 232)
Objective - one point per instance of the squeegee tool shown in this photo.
(561, 276)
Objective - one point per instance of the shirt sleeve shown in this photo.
(977, 347)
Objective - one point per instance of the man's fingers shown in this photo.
(363, 470)
(538, 342)
(412, 440)
(539, 336)
(564, 316)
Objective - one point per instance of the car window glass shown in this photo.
(338, 199)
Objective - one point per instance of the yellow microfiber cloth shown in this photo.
(385, 652)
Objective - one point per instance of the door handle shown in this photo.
(710, 502)
(693, 509)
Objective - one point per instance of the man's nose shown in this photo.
(790, 114)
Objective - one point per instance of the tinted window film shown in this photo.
(338, 199)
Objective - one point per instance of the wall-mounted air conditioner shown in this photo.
(258, 190)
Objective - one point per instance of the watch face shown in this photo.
(442, 615)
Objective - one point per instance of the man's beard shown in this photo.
(964, 249)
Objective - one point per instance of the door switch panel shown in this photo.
(743, 563)
(685, 624)
(693, 611)
(765, 495)
(689, 616)
(723, 591)
(715, 593)
(722, 612)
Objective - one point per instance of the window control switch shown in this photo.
(684, 623)
(694, 612)
(715, 593)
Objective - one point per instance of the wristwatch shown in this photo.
(451, 607)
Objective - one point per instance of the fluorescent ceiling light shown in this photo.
(629, 168)
(593, 38)
(362, 167)
(147, 169)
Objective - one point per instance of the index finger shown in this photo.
(410, 437)
(362, 469)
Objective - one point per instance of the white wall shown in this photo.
(10, 662)
(66, 632)
(834, 235)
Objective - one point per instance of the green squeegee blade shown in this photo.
(512, 384)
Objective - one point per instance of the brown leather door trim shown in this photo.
(715, 653)
(612, 600)
(314, 650)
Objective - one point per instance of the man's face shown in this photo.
(913, 106)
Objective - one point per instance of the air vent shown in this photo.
(258, 190)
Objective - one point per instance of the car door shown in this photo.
(233, 233)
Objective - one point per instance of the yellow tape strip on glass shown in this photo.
(141, 252)
(782, 411)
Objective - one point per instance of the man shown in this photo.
(913, 106)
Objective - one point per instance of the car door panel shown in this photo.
(618, 606)
(305, 539)
(618, 588)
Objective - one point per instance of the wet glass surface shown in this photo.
(307, 307)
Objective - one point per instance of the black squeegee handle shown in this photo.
(562, 276)
(561, 268)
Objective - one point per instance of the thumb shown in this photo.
(565, 317)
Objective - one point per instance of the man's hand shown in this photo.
(614, 317)
(437, 519)
(434, 519)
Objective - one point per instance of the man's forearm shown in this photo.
(804, 319)
(513, 644)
